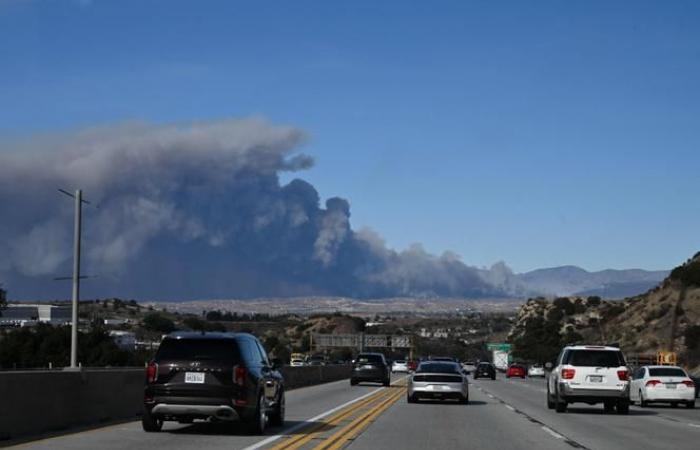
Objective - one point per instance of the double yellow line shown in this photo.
(374, 404)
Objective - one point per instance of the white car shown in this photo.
(589, 374)
(297, 363)
(535, 370)
(469, 366)
(399, 365)
(667, 384)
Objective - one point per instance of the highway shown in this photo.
(501, 414)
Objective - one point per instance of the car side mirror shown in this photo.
(548, 366)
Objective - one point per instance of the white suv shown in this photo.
(589, 374)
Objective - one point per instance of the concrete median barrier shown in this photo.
(39, 402)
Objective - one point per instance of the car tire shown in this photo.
(411, 398)
(642, 403)
(674, 404)
(387, 382)
(150, 423)
(559, 404)
(256, 424)
(608, 406)
(353, 382)
(690, 405)
(550, 401)
(475, 376)
(623, 406)
(464, 400)
(277, 417)
(493, 377)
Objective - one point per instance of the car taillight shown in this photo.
(689, 383)
(652, 383)
(623, 375)
(152, 372)
(568, 374)
(239, 375)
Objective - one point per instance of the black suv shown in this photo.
(370, 367)
(485, 370)
(216, 376)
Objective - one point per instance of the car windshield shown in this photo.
(595, 358)
(666, 372)
(224, 350)
(438, 368)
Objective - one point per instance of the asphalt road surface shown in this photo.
(501, 414)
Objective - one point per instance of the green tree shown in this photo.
(157, 322)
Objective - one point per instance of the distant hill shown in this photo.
(573, 280)
(667, 317)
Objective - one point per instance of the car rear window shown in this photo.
(667, 372)
(484, 365)
(595, 358)
(400, 361)
(224, 350)
(438, 368)
(369, 359)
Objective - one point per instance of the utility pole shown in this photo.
(78, 197)
(76, 278)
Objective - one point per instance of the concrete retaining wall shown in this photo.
(36, 402)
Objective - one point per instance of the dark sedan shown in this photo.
(370, 367)
(485, 370)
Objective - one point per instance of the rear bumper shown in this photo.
(438, 390)
(587, 394)
(221, 412)
(670, 395)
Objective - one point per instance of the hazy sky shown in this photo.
(539, 133)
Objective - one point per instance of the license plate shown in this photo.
(194, 377)
(670, 385)
(595, 378)
(368, 367)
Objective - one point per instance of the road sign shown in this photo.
(499, 346)
(356, 340)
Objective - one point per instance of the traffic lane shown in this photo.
(482, 424)
(589, 426)
(302, 404)
(662, 410)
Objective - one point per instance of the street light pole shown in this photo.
(76, 279)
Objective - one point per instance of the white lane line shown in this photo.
(695, 425)
(510, 407)
(301, 425)
(490, 396)
(552, 433)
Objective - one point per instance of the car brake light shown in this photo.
(623, 375)
(239, 375)
(568, 374)
(689, 383)
(152, 372)
(652, 383)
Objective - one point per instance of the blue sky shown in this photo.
(540, 134)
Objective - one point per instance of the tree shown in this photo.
(157, 322)
(3, 299)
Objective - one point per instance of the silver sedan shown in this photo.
(438, 381)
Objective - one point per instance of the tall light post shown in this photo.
(78, 197)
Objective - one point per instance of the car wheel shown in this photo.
(353, 382)
(476, 376)
(674, 404)
(386, 382)
(550, 401)
(411, 398)
(493, 377)
(464, 400)
(643, 403)
(258, 422)
(559, 404)
(623, 406)
(608, 406)
(150, 423)
(277, 417)
(690, 405)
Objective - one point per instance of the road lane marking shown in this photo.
(352, 430)
(323, 415)
(552, 432)
(510, 407)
